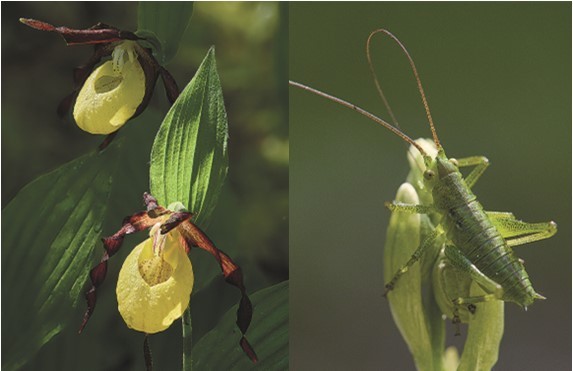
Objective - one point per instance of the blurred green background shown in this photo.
(251, 221)
(498, 80)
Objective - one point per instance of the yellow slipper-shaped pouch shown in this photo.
(155, 283)
(111, 94)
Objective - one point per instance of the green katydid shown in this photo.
(416, 306)
(477, 243)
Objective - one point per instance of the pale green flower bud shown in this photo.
(418, 320)
(417, 168)
(485, 326)
(112, 93)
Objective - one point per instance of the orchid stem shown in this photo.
(187, 340)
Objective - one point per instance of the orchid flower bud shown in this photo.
(112, 92)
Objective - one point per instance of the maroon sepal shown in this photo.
(151, 69)
(174, 220)
(112, 244)
(107, 141)
(150, 202)
(248, 349)
(171, 88)
(98, 34)
(194, 236)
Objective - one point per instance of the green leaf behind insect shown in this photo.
(268, 334)
(163, 24)
(49, 232)
(189, 157)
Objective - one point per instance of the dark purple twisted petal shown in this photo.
(248, 349)
(147, 354)
(174, 220)
(171, 88)
(150, 68)
(150, 202)
(98, 34)
(112, 244)
(194, 236)
(107, 141)
(153, 208)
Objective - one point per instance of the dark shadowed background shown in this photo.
(498, 81)
(251, 221)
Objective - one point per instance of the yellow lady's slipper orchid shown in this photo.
(155, 283)
(118, 90)
(112, 92)
(156, 279)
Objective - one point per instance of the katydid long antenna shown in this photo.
(418, 81)
(362, 112)
(377, 83)
(393, 128)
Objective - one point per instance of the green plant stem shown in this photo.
(187, 341)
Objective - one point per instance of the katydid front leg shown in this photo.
(429, 241)
(480, 162)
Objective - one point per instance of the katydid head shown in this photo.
(438, 168)
(445, 165)
(431, 173)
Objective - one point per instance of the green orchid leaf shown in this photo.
(219, 349)
(189, 158)
(49, 232)
(163, 23)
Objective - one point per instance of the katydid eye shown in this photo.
(429, 174)
(454, 162)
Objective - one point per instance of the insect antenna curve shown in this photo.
(377, 83)
(361, 111)
(416, 76)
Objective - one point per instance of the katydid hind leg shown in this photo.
(459, 261)
(516, 232)
(499, 215)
